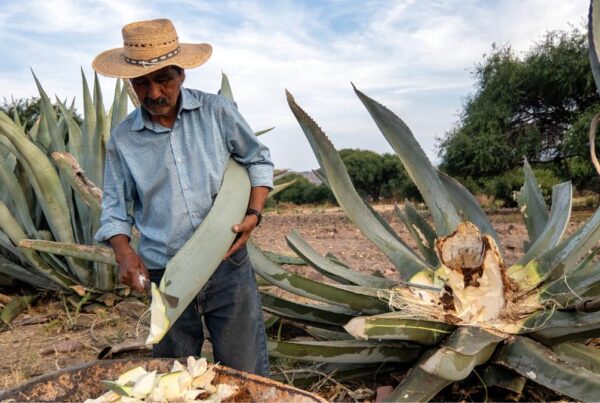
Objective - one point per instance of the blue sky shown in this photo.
(414, 56)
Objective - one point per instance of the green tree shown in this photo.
(28, 110)
(366, 171)
(535, 106)
(378, 175)
(303, 191)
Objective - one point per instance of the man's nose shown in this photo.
(154, 90)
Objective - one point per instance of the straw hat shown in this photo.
(149, 46)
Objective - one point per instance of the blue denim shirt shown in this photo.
(165, 180)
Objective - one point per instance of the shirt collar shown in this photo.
(188, 102)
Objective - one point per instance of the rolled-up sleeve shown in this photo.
(245, 147)
(117, 197)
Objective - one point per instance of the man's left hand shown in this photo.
(243, 229)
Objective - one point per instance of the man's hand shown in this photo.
(243, 231)
(131, 266)
(258, 196)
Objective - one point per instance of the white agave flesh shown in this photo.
(127, 399)
(223, 392)
(108, 397)
(205, 380)
(197, 367)
(482, 298)
(131, 376)
(177, 366)
(159, 323)
(156, 396)
(185, 380)
(169, 383)
(144, 385)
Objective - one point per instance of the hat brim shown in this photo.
(111, 63)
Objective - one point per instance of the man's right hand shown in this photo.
(131, 266)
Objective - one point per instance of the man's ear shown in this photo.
(182, 76)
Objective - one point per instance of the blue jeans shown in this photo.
(230, 304)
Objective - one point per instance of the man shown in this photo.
(164, 165)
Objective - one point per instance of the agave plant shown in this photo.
(45, 195)
(458, 305)
(51, 177)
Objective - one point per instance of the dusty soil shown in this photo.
(69, 337)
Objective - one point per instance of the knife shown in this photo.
(171, 300)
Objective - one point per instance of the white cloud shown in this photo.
(413, 56)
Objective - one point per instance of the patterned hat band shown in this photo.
(153, 61)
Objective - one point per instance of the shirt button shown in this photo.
(185, 187)
(178, 160)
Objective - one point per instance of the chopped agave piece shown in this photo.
(108, 397)
(121, 390)
(144, 385)
(157, 395)
(204, 381)
(131, 376)
(185, 380)
(224, 391)
(177, 366)
(196, 367)
(159, 323)
(169, 383)
(193, 394)
(127, 399)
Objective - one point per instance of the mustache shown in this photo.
(162, 101)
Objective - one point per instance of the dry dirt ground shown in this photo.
(69, 336)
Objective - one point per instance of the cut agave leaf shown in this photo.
(454, 361)
(496, 375)
(587, 357)
(343, 352)
(403, 258)
(208, 244)
(159, 322)
(327, 334)
(418, 385)
(399, 326)
(539, 364)
(96, 253)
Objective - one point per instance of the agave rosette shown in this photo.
(458, 305)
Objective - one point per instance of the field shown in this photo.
(54, 333)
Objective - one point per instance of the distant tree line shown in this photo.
(375, 177)
(539, 106)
